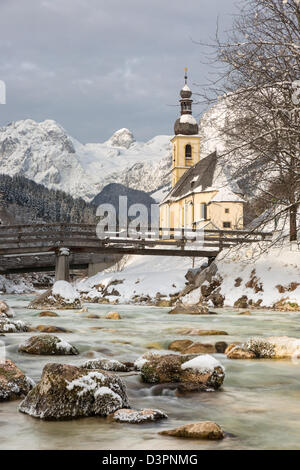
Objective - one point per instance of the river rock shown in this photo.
(242, 302)
(47, 345)
(198, 309)
(14, 383)
(180, 345)
(62, 296)
(51, 329)
(199, 373)
(196, 332)
(239, 352)
(13, 326)
(108, 365)
(138, 417)
(67, 392)
(186, 346)
(48, 314)
(5, 310)
(202, 430)
(220, 347)
(113, 316)
(276, 347)
(200, 348)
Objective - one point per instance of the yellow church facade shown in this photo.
(202, 194)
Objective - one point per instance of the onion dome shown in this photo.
(186, 124)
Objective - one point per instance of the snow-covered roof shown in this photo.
(208, 175)
(188, 118)
(226, 195)
(186, 88)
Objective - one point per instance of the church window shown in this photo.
(226, 211)
(188, 155)
(226, 224)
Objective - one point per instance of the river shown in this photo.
(258, 405)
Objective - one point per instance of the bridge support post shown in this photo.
(62, 271)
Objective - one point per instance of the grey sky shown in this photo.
(95, 66)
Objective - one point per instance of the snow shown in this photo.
(226, 195)
(142, 276)
(17, 285)
(65, 290)
(90, 383)
(64, 346)
(46, 154)
(187, 119)
(279, 266)
(86, 383)
(202, 364)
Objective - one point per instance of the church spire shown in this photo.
(186, 124)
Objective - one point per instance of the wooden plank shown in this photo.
(118, 250)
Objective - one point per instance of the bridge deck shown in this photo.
(81, 239)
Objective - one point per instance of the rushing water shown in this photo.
(259, 404)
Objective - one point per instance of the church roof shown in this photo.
(208, 175)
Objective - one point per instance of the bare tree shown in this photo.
(259, 82)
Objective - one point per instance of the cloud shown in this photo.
(96, 65)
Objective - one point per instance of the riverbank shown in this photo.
(258, 403)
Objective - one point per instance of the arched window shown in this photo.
(188, 155)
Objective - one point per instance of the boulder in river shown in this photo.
(138, 416)
(197, 332)
(67, 392)
(13, 326)
(5, 310)
(14, 383)
(51, 329)
(47, 345)
(62, 296)
(276, 347)
(113, 316)
(198, 309)
(239, 352)
(186, 346)
(202, 430)
(48, 314)
(191, 373)
(108, 365)
(221, 347)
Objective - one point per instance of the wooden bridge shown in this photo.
(60, 247)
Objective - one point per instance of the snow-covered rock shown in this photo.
(15, 284)
(12, 326)
(138, 416)
(46, 154)
(61, 296)
(6, 310)
(47, 345)
(14, 383)
(276, 347)
(111, 365)
(67, 392)
(190, 373)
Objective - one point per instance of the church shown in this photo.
(203, 195)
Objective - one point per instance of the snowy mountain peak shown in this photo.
(45, 153)
(121, 138)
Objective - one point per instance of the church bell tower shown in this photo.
(186, 142)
